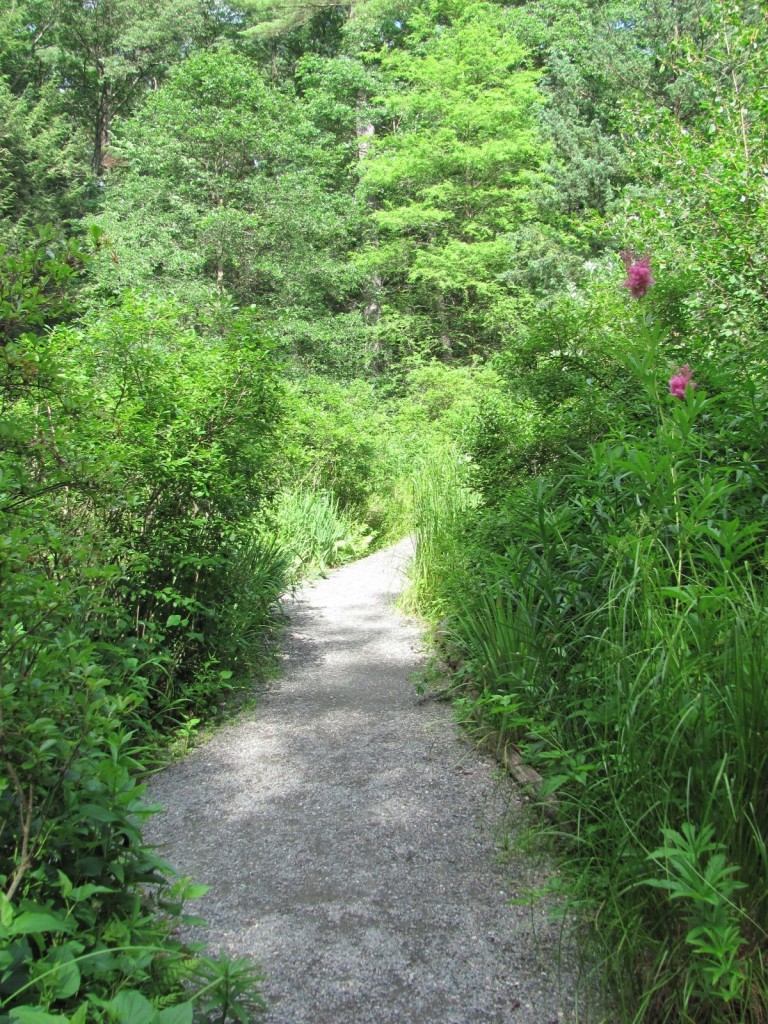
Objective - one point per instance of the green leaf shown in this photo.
(31, 922)
(31, 1015)
(65, 978)
(131, 1007)
(84, 892)
(6, 911)
(553, 783)
(64, 884)
(96, 812)
(181, 1014)
(195, 891)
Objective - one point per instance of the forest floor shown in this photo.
(351, 838)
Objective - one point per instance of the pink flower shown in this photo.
(679, 381)
(639, 278)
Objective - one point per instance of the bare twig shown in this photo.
(26, 807)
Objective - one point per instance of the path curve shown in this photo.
(347, 834)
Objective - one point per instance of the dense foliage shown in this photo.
(280, 281)
(599, 565)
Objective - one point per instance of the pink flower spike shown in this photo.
(679, 381)
(639, 277)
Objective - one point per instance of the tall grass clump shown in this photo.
(314, 534)
(668, 790)
(441, 502)
(612, 618)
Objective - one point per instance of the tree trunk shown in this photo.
(101, 133)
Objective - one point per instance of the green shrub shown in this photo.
(335, 441)
(611, 619)
(87, 911)
(135, 456)
(171, 447)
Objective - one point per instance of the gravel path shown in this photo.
(348, 835)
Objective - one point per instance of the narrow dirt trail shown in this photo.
(347, 834)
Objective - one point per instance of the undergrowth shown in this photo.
(609, 619)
